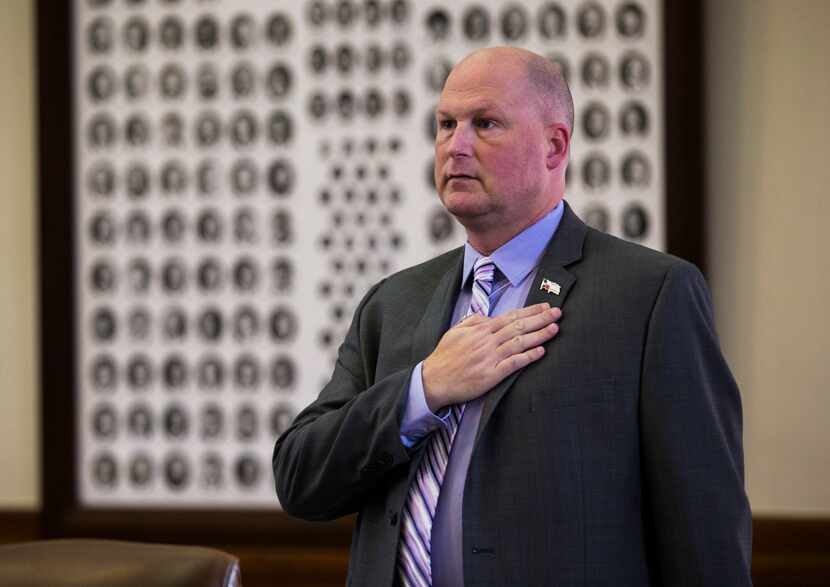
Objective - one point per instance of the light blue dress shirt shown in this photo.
(517, 260)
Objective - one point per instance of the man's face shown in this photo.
(490, 148)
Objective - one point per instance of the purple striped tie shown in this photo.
(414, 562)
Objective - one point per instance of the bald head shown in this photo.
(544, 79)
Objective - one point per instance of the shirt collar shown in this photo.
(517, 257)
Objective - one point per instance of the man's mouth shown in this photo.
(460, 176)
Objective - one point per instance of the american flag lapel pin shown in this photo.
(549, 286)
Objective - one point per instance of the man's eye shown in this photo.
(485, 123)
(446, 124)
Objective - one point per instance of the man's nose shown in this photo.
(461, 141)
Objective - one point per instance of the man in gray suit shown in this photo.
(482, 445)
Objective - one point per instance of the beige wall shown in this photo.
(768, 92)
(19, 432)
(767, 89)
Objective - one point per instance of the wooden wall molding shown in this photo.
(786, 551)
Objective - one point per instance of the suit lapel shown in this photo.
(438, 313)
(565, 248)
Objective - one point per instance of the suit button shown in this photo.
(385, 458)
(393, 519)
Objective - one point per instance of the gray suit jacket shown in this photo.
(616, 459)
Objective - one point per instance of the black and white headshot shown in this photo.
(141, 470)
(140, 421)
(281, 418)
(174, 372)
(102, 229)
(514, 22)
(207, 33)
(177, 471)
(211, 373)
(283, 373)
(438, 24)
(101, 179)
(278, 29)
(243, 31)
(136, 34)
(102, 276)
(105, 471)
(138, 274)
(137, 181)
(172, 81)
(282, 275)
(243, 80)
(171, 130)
(101, 131)
(247, 423)
(243, 129)
(636, 171)
(101, 83)
(245, 226)
(591, 20)
(247, 471)
(436, 74)
(476, 24)
(245, 324)
(634, 120)
(208, 129)
(213, 471)
(104, 422)
(279, 81)
(171, 33)
(634, 71)
(173, 276)
(211, 422)
(281, 177)
(173, 178)
(597, 217)
(207, 81)
(209, 274)
(635, 222)
(99, 35)
(211, 324)
(139, 373)
(596, 172)
(176, 421)
(630, 20)
(246, 376)
(284, 324)
(136, 82)
(280, 127)
(596, 72)
(596, 121)
(209, 227)
(173, 226)
(174, 324)
(552, 22)
(139, 324)
(245, 274)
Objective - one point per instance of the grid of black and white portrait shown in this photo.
(245, 170)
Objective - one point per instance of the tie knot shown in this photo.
(484, 270)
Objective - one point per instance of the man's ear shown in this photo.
(558, 145)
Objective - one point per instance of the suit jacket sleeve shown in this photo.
(343, 444)
(691, 429)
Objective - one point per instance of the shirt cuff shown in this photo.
(418, 420)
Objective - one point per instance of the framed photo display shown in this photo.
(222, 181)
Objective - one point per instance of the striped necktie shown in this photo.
(414, 559)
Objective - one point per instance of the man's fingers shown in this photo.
(515, 362)
(471, 320)
(500, 322)
(527, 324)
(520, 343)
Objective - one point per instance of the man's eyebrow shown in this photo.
(484, 108)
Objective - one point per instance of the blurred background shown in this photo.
(766, 88)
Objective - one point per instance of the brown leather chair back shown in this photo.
(110, 563)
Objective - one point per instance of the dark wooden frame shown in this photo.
(62, 514)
